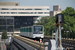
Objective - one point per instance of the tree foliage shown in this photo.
(4, 35)
(47, 23)
(69, 19)
(69, 23)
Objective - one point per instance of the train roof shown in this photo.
(31, 26)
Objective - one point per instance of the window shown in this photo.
(40, 12)
(13, 9)
(16, 4)
(17, 23)
(38, 9)
(2, 12)
(29, 23)
(10, 22)
(37, 28)
(25, 12)
(35, 12)
(7, 12)
(46, 12)
(9, 28)
(31, 12)
(2, 21)
(30, 29)
(28, 9)
(2, 28)
(20, 9)
(13, 12)
(47, 9)
(25, 23)
(16, 20)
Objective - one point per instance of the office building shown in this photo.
(7, 24)
(24, 15)
(56, 10)
(53, 13)
(9, 3)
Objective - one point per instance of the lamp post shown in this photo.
(70, 33)
(64, 34)
(67, 33)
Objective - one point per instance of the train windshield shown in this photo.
(38, 28)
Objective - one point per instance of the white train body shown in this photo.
(35, 31)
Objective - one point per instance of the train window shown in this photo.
(37, 28)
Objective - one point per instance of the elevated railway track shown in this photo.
(66, 43)
(36, 44)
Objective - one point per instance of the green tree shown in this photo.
(4, 35)
(69, 11)
(43, 20)
(49, 27)
(47, 23)
(69, 22)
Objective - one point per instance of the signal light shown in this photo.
(61, 18)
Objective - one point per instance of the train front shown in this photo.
(38, 31)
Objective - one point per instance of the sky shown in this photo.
(50, 3)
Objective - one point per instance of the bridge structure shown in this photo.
(23, 43)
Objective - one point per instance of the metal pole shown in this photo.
(56, 36)
(52, 34)
(59, 33)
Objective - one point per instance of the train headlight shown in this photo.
(40, 31)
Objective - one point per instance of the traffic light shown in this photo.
(61, 18)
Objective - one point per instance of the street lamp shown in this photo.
(67, 33)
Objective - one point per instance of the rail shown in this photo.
(70, 41)
(67, 43)
(37, 45)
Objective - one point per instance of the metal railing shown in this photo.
(67, 43)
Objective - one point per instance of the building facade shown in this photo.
(9, 3)
(53, 13)
(24, 15)
(56, 10)
(7, 24)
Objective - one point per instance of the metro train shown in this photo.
(35, 31)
